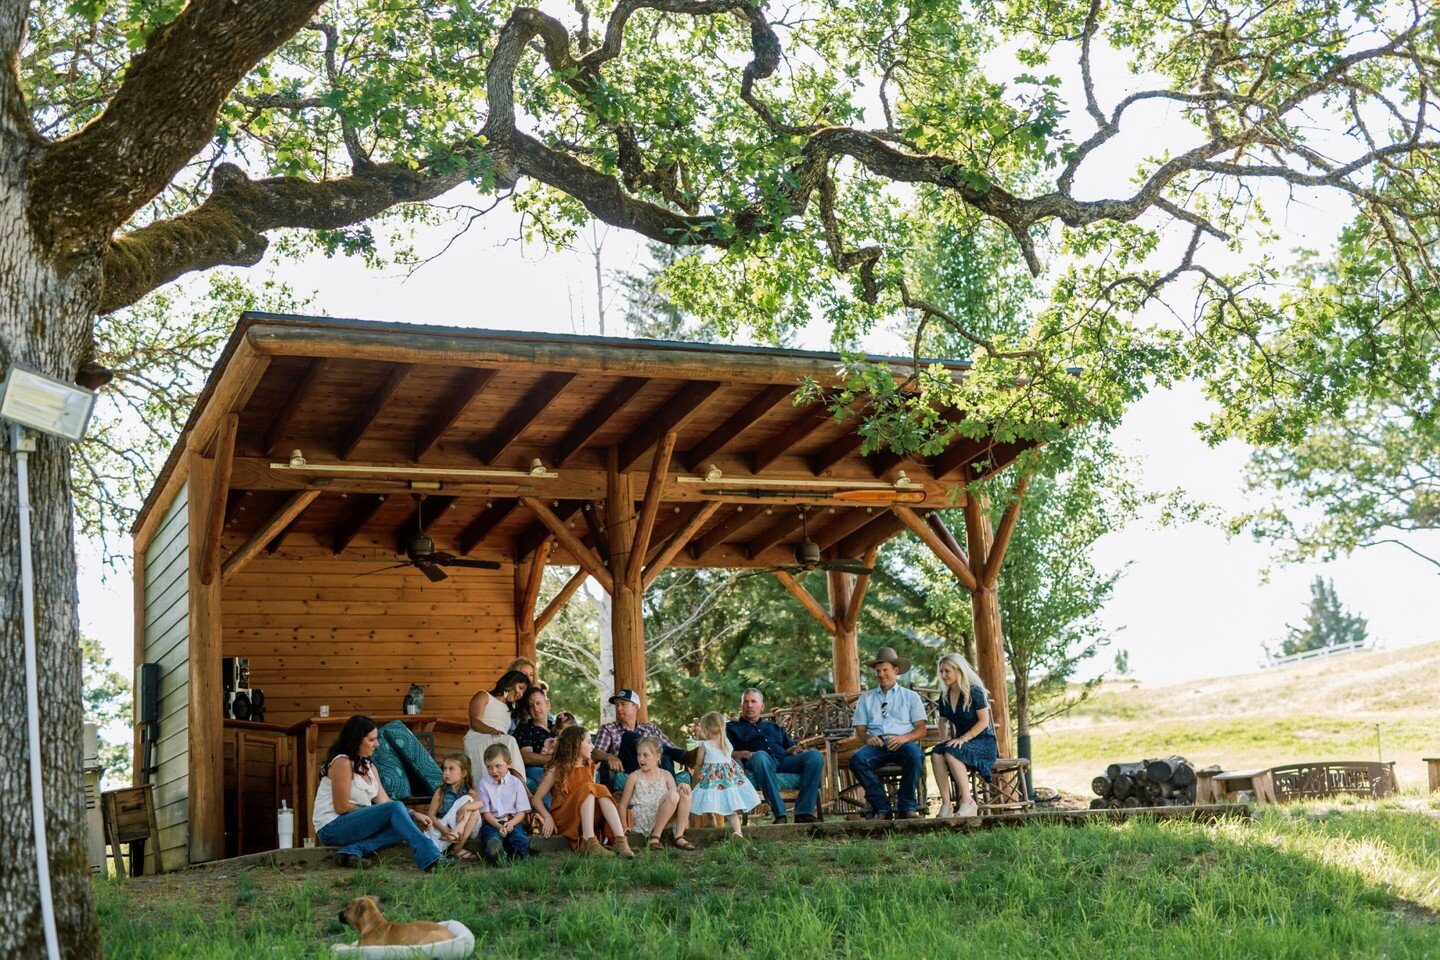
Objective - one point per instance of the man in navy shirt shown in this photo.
(766, 750)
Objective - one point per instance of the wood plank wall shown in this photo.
(167, 642)
(316, 635)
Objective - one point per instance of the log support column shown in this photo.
(206, 701)
(627, 627)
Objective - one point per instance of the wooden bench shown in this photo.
(1360, 778)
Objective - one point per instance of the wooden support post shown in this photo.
(692, 526)
(627, 627)
(205, 709)
(958, 563)
(1002, 536)
(985, 610)
(570, 542)
(845, 650)
(223, 463)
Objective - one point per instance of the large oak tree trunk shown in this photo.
(45, 319)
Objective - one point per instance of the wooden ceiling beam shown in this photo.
(874, 533)
(379, 400)
(678, 541)
(595, 419)
(669, 416)
(1003, 534)
(807, 600)
(842, 526)
(279, 540)
(522, 415)
(362, 510)
(959, 453)
(953, 558)
(771, 536)
(839, 448)
(737, 423)
(465, 389)
(487, 520)
(557, 602)
(279, 428)
(649, 509)
(809, 420)
(860, 584)
(218, 495)
(535, 534)
(738, 517)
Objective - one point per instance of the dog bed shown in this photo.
(462, 946)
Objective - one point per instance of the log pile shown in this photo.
(1166, 782)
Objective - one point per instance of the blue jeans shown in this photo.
(533, 776)
(367, 829)
(761, 768)
(912, 763)
(517, 844)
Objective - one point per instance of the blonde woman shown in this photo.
(969, 742)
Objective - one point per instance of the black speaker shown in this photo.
(238, 705)
(257, 705)
(148, 683)
(235, 672)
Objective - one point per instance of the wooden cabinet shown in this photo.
(259, 773)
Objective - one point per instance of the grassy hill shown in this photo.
(1320, 710)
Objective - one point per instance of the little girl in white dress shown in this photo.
(653, 799)
(722, 787)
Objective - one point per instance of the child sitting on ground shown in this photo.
(722, 786)
(653, 799)
(452, 810)
(580, 804)
(503, 807)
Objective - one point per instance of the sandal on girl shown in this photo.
(464, 854)
(654, 843)
(680, 843)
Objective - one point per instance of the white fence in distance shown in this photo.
(1339, 648)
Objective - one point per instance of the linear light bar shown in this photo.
(299, 464)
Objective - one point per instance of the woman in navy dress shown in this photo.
(969, 742)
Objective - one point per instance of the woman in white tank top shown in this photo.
(352, 810)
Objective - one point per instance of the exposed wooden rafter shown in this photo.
(811, 605)
(948, 554)
(837, 450)
(278, 431)
(363, 508)
(279, 539)
(522, 415)
(858, 588)
(462, 393)
(737, 423)
(736, 518)
(1003, 534)
(218, 494)
(671, 415)
(678, 540)
(804, 423)
(370, 412)
(535, 534)
(557, 602)
(594, 419)
(487, 520)
(877, 531)
(649, 508)
(787, 523)
(843, 526)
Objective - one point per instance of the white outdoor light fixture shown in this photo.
(32, 401)
(52, 406)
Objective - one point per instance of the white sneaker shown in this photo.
(968, 810)
(946, 812)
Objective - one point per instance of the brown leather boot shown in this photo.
(620, 846)
(591, 847)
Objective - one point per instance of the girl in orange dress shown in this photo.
(579, 803)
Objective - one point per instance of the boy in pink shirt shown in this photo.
(504, 805)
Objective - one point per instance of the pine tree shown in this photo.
(1326, 624)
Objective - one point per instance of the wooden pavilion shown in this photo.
(314, 441)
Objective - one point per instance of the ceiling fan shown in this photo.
(421, 553)
(807, 555)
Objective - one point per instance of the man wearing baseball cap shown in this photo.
(615, 744)
(890, 720)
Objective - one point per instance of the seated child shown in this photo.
(582, 807)
(653, 799)
(452, 810)
(503, 807)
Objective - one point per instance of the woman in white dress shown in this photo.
(352, 810)
(490, 721)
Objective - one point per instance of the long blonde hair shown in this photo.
(968, 678)
(712, 726)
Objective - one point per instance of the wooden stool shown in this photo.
(1007, 790)
(129, 815)
(1433, 765)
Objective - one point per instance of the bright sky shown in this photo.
(1192, 603)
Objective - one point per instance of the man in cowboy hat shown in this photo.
(890, 720)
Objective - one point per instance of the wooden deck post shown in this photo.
(206, 706)
(845, 650)
(627, 626)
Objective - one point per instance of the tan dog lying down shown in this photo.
(363, 913)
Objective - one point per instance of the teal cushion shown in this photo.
(392, 772)
(421, 769)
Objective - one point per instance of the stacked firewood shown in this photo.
(1169, 782)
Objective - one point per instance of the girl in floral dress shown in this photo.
(722, 786)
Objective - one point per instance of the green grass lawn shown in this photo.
(1312, 881)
